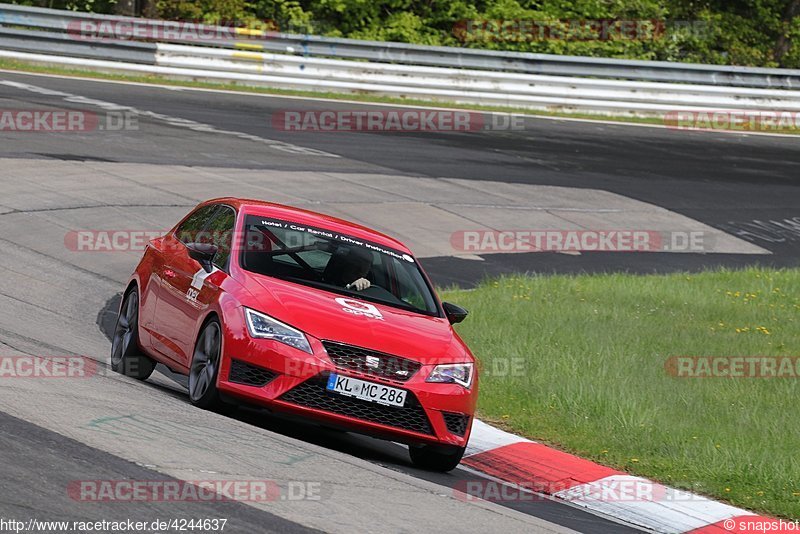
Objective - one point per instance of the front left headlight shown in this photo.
(265, 327)
(455, 373)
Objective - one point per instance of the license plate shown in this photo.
(368, 391)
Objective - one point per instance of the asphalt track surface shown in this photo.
(54, 301)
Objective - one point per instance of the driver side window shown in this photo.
(212, 225)
(191, 229)
(220, 231)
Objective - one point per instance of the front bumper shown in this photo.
(281, 378)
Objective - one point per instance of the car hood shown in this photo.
(334, 317)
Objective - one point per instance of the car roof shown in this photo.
(310, 218)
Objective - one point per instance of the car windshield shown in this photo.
(335, 262)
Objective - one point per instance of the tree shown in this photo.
(784, 44)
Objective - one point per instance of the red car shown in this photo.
(306, 314)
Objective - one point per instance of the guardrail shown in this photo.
(63, 45)
(457, 75)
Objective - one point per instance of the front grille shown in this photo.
(250, 375)
(371, 362)
(312, 394)
(456, 422)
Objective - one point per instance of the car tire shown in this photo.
(204, 369)
(433, 458)
(126, 356)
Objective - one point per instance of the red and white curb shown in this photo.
(606, 491)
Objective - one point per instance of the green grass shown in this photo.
(14, 65)
(591, 351)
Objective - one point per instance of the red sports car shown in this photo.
(302, 313)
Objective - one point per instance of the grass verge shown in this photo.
(579, 362)
(14, 65)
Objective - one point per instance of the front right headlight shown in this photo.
(454, 373)
(263, 326)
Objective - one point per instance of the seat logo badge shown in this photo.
(356, 307)
(373, 362)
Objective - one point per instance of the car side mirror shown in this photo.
(455, 314)
(204, 254)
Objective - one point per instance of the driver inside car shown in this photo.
(348, 268)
